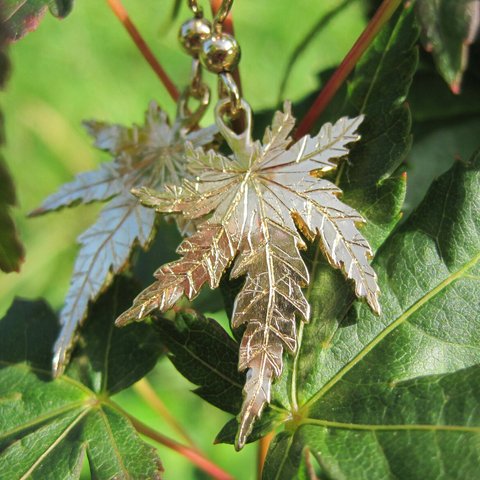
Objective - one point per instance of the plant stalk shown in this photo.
(188, 452)
(119, 10)
(263, 445)
(382, 15)
(146, 391)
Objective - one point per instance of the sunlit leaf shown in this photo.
(151, 154)
(393, 396)
(23, 16)
(49, 427)
(398, 394)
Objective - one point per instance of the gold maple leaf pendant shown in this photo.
(249, 209)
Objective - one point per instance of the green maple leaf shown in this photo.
(389, 396)
(401, 391)
(48, 427)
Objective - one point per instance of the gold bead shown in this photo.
(220, 53)
(193, 33)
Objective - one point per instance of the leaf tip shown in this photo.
(36, 212)
(124, 319)
(58, 363)
(455, 87)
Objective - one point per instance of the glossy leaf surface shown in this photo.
(48, 427)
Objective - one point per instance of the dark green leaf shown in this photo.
(397, 395)
(48, 427)
(379, 89)
(269, 421)
(431, 100)
(437, 145)
(204, 353)
(109, 359)
(284, 458)
(445, 128)
(379, 93)
(21, 17)
(448, 28)
(11, 250)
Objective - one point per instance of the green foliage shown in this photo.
(47, 427)
(365, 396)
(21, 17)
(449, 27)
(398, 391)
(203, 352)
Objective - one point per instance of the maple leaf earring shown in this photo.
(147, 155)
(252, 211)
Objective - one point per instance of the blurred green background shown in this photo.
(86, 67)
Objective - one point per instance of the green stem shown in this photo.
(382, 15)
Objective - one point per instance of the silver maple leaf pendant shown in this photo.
(150, 154)
(249, 210)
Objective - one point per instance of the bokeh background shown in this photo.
(86, 67)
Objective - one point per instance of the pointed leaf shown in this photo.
(250, 209)
(11, 249)
(107, 359)
(203, 352)
(21, 17)
(105, 248)
(448, 29)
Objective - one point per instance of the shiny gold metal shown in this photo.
(196, 8)
(220, 53)
(222, 14)
(193, 33)
(253, 210)
(188, 117)
(227, 88)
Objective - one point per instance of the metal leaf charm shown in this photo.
(251, 208)
(151, 154)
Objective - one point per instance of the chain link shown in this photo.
(196, 8)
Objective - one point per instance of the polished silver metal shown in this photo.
(151, 155)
